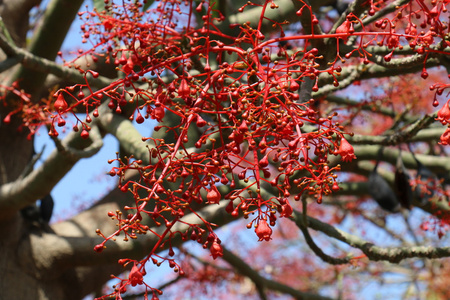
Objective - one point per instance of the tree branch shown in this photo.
(40, 64)
(375, 253)
(242, 267)
(47, 40)
(39, 182)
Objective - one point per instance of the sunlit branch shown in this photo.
(242, 267)
(18, 55)
(312, 245)
(39, 182)
(375, 253)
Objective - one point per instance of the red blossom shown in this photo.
(344, 28)
(263, 230)
(135, 276)
(158, 113)
(346, 150)
(216, 250)
(445, 137)
(392, 41)
(60, 103)
(443, 114)
(184, 90)
(286, 210)
(213, 196)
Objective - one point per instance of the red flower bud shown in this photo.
(99, 248)
(200, 121)
(139, 118)
(84, 134)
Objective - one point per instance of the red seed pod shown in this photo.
(111, 104)
(335, 186)
(445, 137)
(243, 127)
(229, 208)
(344, 28)
(286, 210)
(294, 86)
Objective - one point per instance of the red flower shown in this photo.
(216, 250)
(443, 114)
(344, 28)
(213, 196)
(60, 103)
(346, 150)
(184, 90)
(135, 276)
(445, 137)
(158, 113)
(263, 231)
(286, 210)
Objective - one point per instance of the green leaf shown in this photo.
(99, 4)
(147, 4)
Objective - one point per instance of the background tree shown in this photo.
(272, 115)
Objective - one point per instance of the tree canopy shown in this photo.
(295, 148)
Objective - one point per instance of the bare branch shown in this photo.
(243, 268)
(375, 253)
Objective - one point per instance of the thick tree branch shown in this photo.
(242, 267)
(40, 64)
(47, 40)
(125, 132)
(312, 245)
(39, 182)
(73, 242)
(375, 253)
